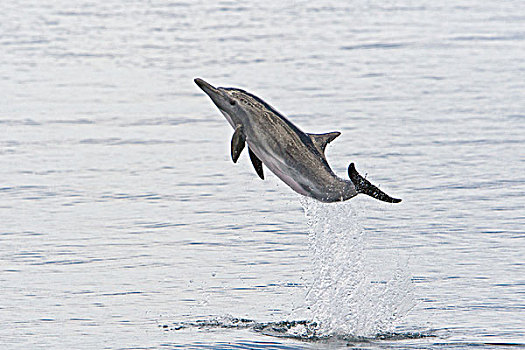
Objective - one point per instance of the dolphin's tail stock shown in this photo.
(362, 185)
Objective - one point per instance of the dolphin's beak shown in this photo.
(216, 95)
(207, 88)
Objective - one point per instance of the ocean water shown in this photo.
(125, 225)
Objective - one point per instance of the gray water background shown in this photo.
(121, 211)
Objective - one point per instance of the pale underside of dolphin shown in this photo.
(297, 158)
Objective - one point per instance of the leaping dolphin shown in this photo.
(295, 157)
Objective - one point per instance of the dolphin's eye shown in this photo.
(232, 102)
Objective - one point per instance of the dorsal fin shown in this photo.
(321, 140)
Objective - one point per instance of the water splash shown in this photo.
(351, 297)
(345, 298)
(302, 330)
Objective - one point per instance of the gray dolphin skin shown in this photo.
(295, 157)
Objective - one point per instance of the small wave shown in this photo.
(165, 121)
(374, 46)
(133, 197)
(80, 121)
(487, 37)
(114, 141)
(13, 122)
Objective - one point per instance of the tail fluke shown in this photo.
(362, 185)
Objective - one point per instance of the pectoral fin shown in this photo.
(238, 141)
(362, 185)
(321, 140)
(257, 164)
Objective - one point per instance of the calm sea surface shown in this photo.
(124, 223)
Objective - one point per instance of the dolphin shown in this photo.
(297, 158)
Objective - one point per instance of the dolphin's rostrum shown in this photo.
(295, 157)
